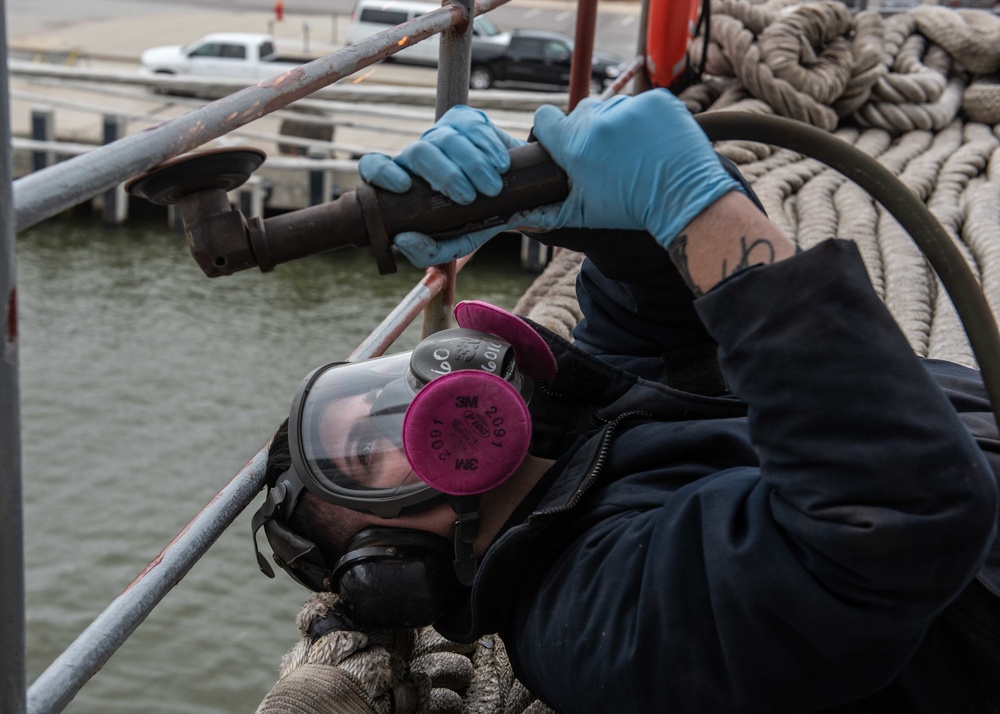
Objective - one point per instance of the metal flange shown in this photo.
(213, 169)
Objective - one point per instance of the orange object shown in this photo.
(279, 10)
(671, 26)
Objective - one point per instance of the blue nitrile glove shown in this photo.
(461, 156)
(634, 163)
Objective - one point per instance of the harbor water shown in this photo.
(145, 386)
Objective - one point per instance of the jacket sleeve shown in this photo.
(886, 503)
(802, 580)
(860, 447)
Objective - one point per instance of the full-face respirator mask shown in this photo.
(398, 435)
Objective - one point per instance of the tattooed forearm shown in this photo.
(678, 254)
(760, 251)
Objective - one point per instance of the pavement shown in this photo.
(125, 37)
(124, 28)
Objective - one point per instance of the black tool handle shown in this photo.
(227, 243)
(533, 180)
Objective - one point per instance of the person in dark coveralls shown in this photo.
(739, 490)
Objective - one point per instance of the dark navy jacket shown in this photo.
(794, 548)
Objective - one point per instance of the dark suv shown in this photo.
(536, 59)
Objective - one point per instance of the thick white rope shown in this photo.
(919, 97)
(343, 671)
(816, 63)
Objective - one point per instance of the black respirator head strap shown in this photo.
(464, 537)
(388, 577)
(298, 557)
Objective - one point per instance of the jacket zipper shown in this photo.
(602, 455)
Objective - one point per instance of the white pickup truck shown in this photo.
(245, 55)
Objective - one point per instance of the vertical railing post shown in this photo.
(13, 677)
(252, 198)
(454, 60)
(319, 179)
(640, 83)
(583, 51)
(115, 209)
(43, 129)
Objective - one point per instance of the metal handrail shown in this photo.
(46, 193)
(12, 619)
(59, 683)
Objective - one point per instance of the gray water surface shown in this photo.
(145, 386)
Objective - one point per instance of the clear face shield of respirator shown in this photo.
(347, 423)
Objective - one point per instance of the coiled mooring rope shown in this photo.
(899, 88)
(817, 63)
(336, 668)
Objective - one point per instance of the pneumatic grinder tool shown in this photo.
(224, 241)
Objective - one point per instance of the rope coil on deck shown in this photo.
(817, 63)
(899, 89)
(335, 669)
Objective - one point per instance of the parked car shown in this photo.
(372, 16)
(537, 59)
(246, 55)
